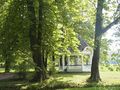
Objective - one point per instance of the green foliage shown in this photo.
(63, 21)
(108, 67)
(61, 25)
(109, 13)
(116, 57)
(112, 63)
(14, 31)
(104, 51)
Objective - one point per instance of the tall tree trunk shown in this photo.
(42, 72)
(8, 59)
(7, 65)
(61, 61)
(46, 59)
(35, 42)
(95, 76)
(52, 68)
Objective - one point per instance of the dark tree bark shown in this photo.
(46, 59)
(61, 61)
(99, 31)
(116, 21)
(95, 76)
(7, 61)
(7, 55)
(53, 60)
(35, 35)
(52, 69)
(66, 61)
(7, 65)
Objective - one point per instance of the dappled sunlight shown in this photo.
(69, 80)
(108, 78)
(74, 77)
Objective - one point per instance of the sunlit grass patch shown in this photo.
(73, 77)
(2, 70)
(94, 88)
(110, 78)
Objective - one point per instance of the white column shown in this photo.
(68, 60)
(75, 60)
(78, 60)
(91, 56)
(82, 62)
(59, 64)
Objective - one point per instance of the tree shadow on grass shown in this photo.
(70, 74)
(52, 84)
(11, 84)
(56, 82)
(14, 83)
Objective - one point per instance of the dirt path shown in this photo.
(6, 75)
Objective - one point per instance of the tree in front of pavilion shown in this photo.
(99, 30)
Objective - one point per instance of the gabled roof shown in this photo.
(82, 46)
(83, 43)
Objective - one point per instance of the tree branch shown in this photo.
(110, 25)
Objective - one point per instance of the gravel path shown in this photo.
(6, 76)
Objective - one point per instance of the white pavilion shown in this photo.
(77, 62)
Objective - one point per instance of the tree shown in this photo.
(43, 28)
(99, 30)
(13, 31)
(46, 36)
(95, 76)
(35, 35)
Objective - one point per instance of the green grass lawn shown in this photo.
(67, 81)
(77, 81)
(2, 70)
(95, 88)
(108, 78)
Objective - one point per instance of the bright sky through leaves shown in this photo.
(114, 46)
